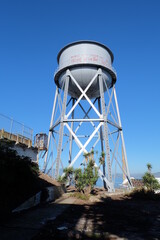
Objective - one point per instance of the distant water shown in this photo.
(117, 183)
(118, 180)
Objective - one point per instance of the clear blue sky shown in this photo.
(33, 32)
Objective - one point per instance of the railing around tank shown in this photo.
(57, 69)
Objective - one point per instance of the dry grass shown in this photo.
(79, 195)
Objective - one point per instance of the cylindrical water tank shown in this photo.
(83, 59)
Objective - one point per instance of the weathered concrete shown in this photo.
(27, 224)
(22, 149)
(53, 193)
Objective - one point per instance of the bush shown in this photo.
(149, 180)
(62, 180)
(143, 194)
(79, 179)
(85, 179)
(18, 178)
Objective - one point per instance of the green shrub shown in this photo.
(84, 179)
(79, 178)
(149, 180)
(143, 194)
(62, 180)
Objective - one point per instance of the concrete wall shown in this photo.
(53, 193)
(21, 149)
(25, 151)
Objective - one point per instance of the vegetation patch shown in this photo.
(80, 196)
(83, 178)
(143, 194)
(150, 185)
(19, 180)
(149, 180)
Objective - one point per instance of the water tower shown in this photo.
(85, 113)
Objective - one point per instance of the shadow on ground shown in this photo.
(113, 217)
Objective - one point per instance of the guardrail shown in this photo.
(14, 127)
(57, 69)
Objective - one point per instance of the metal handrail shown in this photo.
(112, 68)
(14, 127)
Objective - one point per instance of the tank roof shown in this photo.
(85, 41)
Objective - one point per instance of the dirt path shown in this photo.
(114, 217)
(104, 216)
(25, 225)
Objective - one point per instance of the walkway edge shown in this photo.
(51, 194)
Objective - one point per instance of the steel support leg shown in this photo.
(71, 137)
(105, 134)
(122, 138)
(58, 159)
(50, 133)
(102, 147)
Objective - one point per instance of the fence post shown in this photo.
(11, 126)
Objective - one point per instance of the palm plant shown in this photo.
(86, 155)
(149, 167)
